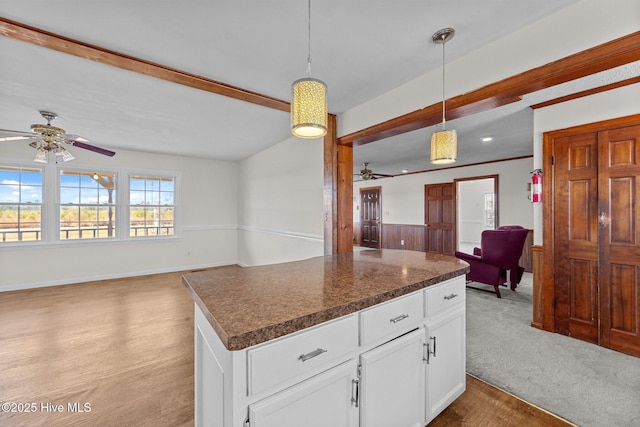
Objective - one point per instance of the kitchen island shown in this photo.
(349, 339)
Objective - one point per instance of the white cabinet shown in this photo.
(321, 401)
(392, 383)
(398, 363)
(445, 346)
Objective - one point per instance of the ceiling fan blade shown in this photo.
(70, 138)
(14, 135)
(93, 148)
(383, 175)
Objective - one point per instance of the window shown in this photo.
(87, 205)
(152, 208)
(20, 204)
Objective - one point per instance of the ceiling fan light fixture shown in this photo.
(41, 156)
(444, 143)
(309, 101)
(67, 156)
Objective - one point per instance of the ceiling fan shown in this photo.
(50, 139)
(367, 174)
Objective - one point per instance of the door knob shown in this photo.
(602, 219)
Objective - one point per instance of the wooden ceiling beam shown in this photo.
(25, 33)
(599, 58)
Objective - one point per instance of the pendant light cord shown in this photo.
(443, 98)
(309, 42)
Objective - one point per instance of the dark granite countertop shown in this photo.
(250, 305)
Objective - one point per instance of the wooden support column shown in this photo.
(330, 188)
(338, 193)
(345, 198)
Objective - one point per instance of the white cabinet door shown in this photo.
(446, 376)
(392, 385)
(321, 401)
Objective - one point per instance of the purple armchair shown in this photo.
(499, 252)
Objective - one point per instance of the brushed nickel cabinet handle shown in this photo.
(399, 318)
(312, 354)
(449, 297)
(355, 393)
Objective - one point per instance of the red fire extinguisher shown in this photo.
(536, 186)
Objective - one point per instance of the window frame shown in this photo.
(43, 205)
(158, 175)
(50, 206)
(60, 205)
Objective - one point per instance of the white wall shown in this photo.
(280, 206)
(403, 196)
(602, 106)
(207, 211)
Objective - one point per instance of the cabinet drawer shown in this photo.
(282, 360)
(391, 317)
(447, 295)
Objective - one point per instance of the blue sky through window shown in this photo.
(20, 185)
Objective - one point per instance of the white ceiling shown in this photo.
(261, 46)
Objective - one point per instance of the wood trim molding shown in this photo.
(608, 55)
(25, 33)
(588, 92)
(538, 301)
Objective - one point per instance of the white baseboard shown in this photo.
(24, 286)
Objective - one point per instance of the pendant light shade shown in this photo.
(309, 102)
(444, 147)
(444, 143)
(308, 108)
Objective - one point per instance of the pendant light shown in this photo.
(309, 102)
(444, 144)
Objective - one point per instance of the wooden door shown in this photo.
(370, 217)
(439, 218)
(596, 181)
(619, 239)
(576, 236)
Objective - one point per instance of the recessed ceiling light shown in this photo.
(487, 139)
(404, 171)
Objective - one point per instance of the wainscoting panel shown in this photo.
(394, 235)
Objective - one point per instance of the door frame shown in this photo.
(547, 282)
(496, 186)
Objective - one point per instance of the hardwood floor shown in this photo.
(483, 405)
(124, 348)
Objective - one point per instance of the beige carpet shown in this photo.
(581, 382)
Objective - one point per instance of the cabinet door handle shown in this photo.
(434, 346)
(399, 318)
(426, 358)
(312, 354)
(452, 296)
(355, 392)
